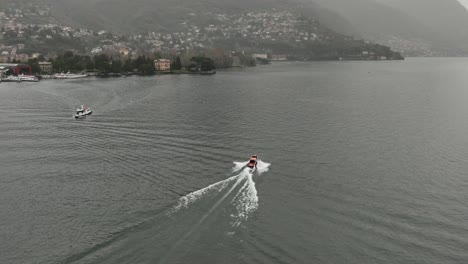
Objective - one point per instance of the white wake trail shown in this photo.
(239, 165)
(194, 196)
(242, 189)
(245, 201)
(262, 166)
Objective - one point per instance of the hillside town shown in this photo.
(32, 33)
(252, 29)
(33, 43)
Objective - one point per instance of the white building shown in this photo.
(162, 65)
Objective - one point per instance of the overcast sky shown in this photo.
(464, 2)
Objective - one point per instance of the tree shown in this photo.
(139, 61)
(220, 58)
(128, 66)
(207, 65)
(90, 65)
(247, 60)
(203, 63)
(157, 55)
(177, 64)
(102, 63)
(144, 65)
(58, 64)
(146, 69)
(192, 67)
(68, 54)
(34, 63)
(116, 66)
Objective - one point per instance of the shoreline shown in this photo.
(186, 72)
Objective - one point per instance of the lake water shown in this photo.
(369, 164)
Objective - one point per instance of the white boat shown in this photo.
(83, 111)
(28, 78)
(11, 78)
(69, 75)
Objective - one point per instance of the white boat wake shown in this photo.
(262, 166)
(191, 198)
(242, 190)
(188, 226)
(246, 201)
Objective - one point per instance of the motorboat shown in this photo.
(252, 162)
(83, 111)
(79, 116)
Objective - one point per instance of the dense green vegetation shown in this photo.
(104, 65)
(177, 64)
(101, 64)
(201, 64)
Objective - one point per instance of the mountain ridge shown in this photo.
(150, 15)
(400, 24)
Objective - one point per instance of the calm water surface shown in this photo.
(368, 161)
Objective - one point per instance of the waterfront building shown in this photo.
(16, 68)
(4, 57)
(279, 57)
(162, 65)
(22, 57)
(46, 67)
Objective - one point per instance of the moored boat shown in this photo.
(28, 78)
(11, 78)
(69, 75)
(207, 72)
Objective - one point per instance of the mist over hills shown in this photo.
(370, 17)
(447, 21)
(415, 27)
(122, 16)
(418, 27)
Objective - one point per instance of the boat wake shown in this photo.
(241, 188)
(262, 166)
(188, 227)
